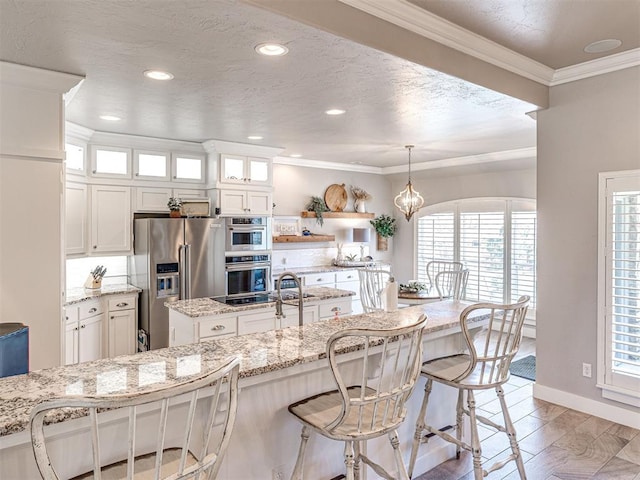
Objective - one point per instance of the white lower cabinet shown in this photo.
(122, 325)
(185, 329)
(83, 332)
(257, 322)
(100, 328)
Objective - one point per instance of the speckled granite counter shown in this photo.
(261, 353)
(200, 307)
(275, 271)
(77, 295)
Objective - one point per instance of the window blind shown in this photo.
(624, 291)
(435, 240)
(523, 256)
(482, 252)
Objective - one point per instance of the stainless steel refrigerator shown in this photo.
(174, 259)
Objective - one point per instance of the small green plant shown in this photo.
(174, 204)
(413, 287)
(317, 205)
(384, 225)
(352, 258)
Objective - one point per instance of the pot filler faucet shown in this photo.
(279, 301)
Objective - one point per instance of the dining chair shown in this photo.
(436, 266)
(373, 404)
(212, 400)
(372, 282)
(484, 365)
(452, 283)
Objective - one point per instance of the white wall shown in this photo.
(293, 188)
(437, 188)
(591, 126)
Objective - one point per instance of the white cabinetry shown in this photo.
(122, 325)
(257, 322)
(244, 170)
(152, 199)
(83, 332)
(185, 329)
(110, 219)
(244, 202)
(343, 280)
(76, 219)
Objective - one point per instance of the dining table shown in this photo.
(418, 298)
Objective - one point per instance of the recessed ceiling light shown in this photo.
(295, 155)
(335, 111)
(110, 118)
(158, 75)
(603, 45)
(254, 137)
(271, 49)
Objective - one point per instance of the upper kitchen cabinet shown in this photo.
(250, 171)
(188, 168)
(111, 219)
(76, 218)
(151, 165)
(110, 162)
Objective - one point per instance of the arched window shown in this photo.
(495, 238)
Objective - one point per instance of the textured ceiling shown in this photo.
(553, 33)
(224, 90)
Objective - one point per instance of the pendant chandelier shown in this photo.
(409, 201)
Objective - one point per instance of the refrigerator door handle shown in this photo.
(185, 272)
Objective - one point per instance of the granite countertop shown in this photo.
(275, 271)
(77, 295)
(200, 307)
(260, 353)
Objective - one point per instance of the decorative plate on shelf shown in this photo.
(335, 196)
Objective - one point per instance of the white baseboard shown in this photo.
(529, 331)
(592, 407)
(433, 457)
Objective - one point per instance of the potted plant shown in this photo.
(317, 205)
(385, 227)
(174, 205)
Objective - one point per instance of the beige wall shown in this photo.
(438, 188)
(294, 186)
(592, 126)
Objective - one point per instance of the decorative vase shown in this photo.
(360, 206)
(174, 213)
(382, 243)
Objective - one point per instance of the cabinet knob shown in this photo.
(318, 279)
(121, 304)
(76, 328)
(95, 246)
(82, 326)
(218, 327)
(112, 317)
(93, 310)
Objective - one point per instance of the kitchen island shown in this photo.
(278, 367)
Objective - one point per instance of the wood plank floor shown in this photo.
(557, 443)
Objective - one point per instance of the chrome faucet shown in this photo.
(279, 301)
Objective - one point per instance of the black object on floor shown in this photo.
(525, 367)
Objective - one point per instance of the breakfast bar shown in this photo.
(278, 367)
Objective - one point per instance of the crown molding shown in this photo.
(146, 143)
(73, 131)
(233, 148)
(506, 155)
(349, 167)
(426, 24)
(611, 63)
(37, 78)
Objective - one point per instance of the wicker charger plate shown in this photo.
(336, 197)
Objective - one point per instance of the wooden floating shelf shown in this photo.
(303, 238)
(307, 214)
